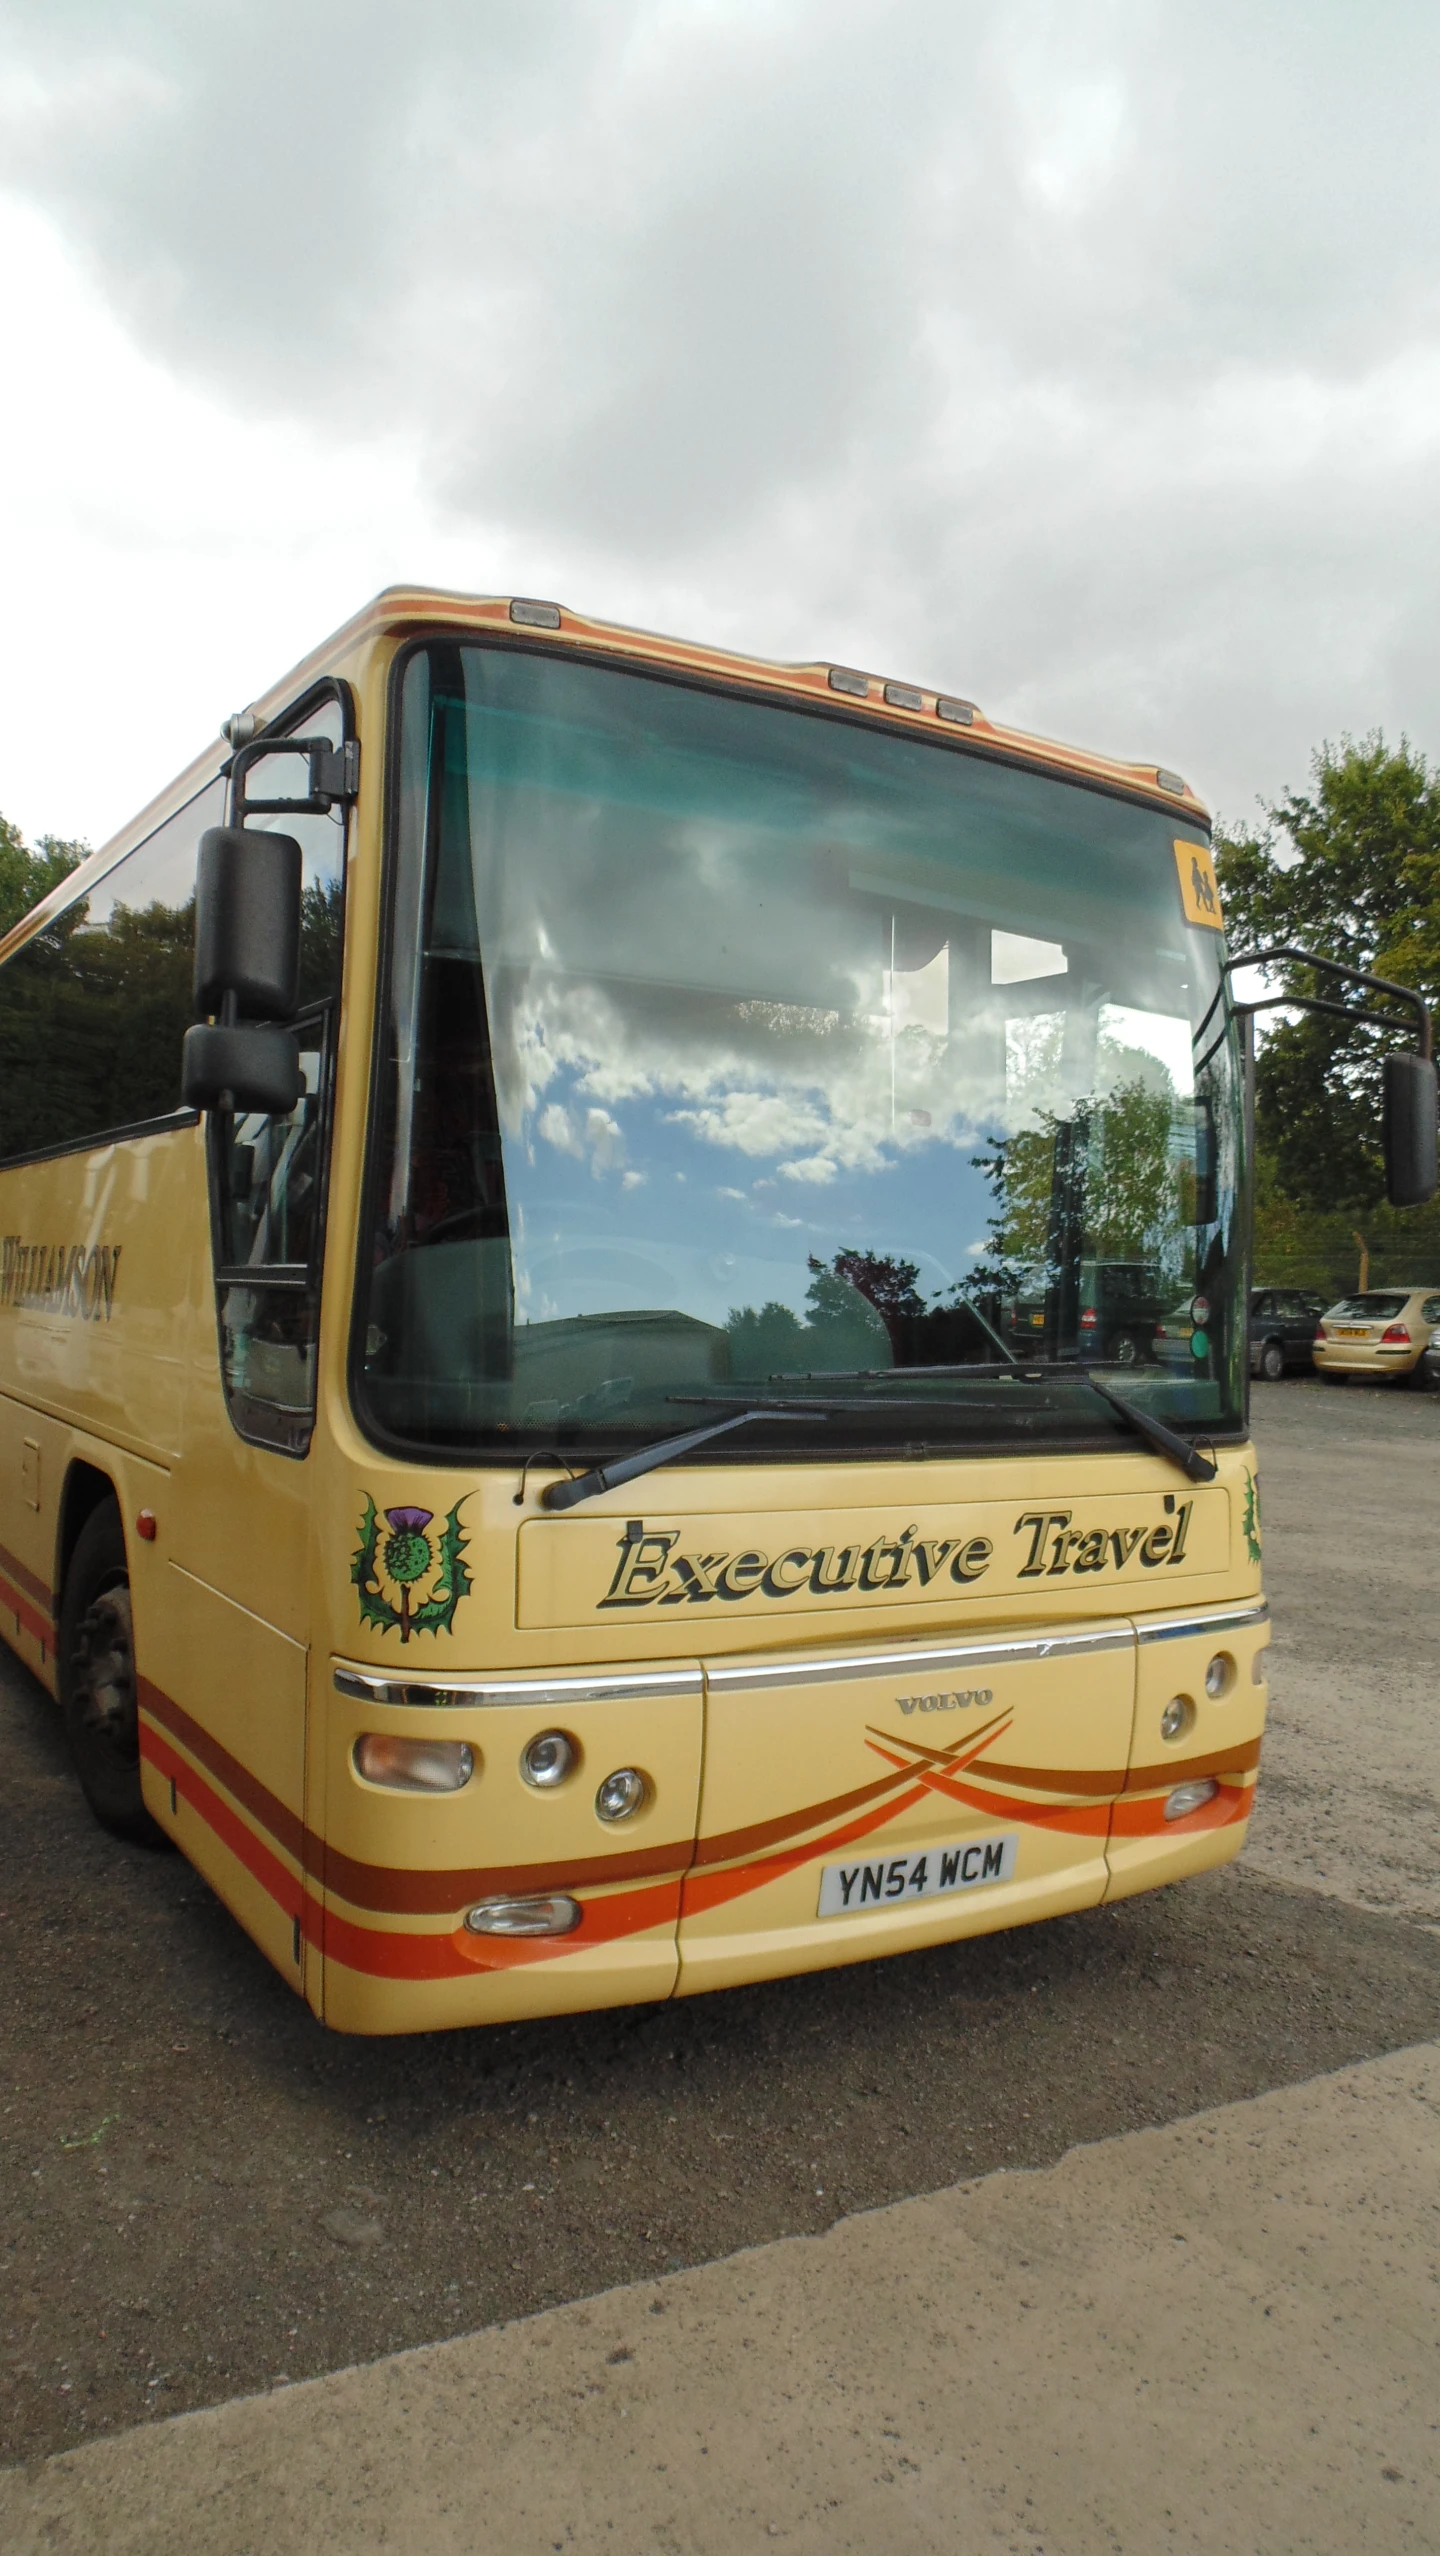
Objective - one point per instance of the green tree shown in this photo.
(1351, 869)
(27, 873)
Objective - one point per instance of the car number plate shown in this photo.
(1341, 1334)
(932, 1872)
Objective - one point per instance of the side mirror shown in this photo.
(241, 1066)
(247, 924)
(1410, 1129)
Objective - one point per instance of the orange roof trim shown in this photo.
(402, 610)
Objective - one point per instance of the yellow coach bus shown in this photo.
(571, 1454)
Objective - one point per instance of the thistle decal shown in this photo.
(1251, 1519)
(407, 1558)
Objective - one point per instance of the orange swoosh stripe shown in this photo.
(733, 1843)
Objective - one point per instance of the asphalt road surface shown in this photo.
(204, 2193)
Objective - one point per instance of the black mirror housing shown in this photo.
(247, 923)
(243, 1068)
(1410, 1129)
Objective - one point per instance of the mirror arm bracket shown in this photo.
(334, 776)
(1425, 1036)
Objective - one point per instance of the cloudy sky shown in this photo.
(1081, 358)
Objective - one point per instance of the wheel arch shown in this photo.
(87, 1487)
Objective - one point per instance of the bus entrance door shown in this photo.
(855, 1802)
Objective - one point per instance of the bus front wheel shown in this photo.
(96, 1665)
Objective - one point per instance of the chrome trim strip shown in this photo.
(1223, 1619)
(917, 1661)
(469, 1694)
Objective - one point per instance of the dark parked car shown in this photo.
(1120, 1303)
(1282, 1330)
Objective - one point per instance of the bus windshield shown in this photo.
(733, 1055)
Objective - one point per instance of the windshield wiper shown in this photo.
(608, 1477)
(1167, 1442)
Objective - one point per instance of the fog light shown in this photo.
(557, 1915)
(414, 1766)
(1177, 1717)
(621, 1794)
(546, 1761)
(1219, 1674)
(1191, 1797)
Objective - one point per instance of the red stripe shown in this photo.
(42, 1626)
(620, 1913)
(283, 1886)
(25, 1578)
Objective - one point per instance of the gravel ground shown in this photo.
(1350, 1792)
(203, 2192)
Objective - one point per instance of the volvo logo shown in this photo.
(951, 1702)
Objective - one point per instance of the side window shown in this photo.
(1262, 1308)
(93, 1009)
(1430, 1310)
(268, 1216)
(268, 1175)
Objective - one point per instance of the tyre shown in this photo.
(1421, 1379)
(98, 1695)
(1124, 1350)
(1272, 1362)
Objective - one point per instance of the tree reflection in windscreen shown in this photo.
(726, 1043)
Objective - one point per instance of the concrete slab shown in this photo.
(1223, 2335)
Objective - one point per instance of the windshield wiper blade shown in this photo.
(1168, 1442)
(608, 1477)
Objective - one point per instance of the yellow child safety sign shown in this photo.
(1199, 892)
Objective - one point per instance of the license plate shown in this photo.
(1339, 1334)
(934, 1872)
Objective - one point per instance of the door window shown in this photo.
(268, 1174)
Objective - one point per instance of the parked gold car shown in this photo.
(1385, 1331)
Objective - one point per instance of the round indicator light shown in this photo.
(547, 1760)
(621, 1794)
(1220, 1674)
(1177, 1717)
(1199, 1344)
(1200, 1309)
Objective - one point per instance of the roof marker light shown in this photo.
(535, 616)
(1171, 781)
(960, 713)
(903, 696)
(843, 680)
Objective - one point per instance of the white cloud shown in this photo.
(555, 1125)
(1085, 359)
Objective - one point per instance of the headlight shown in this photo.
(413, 1766)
